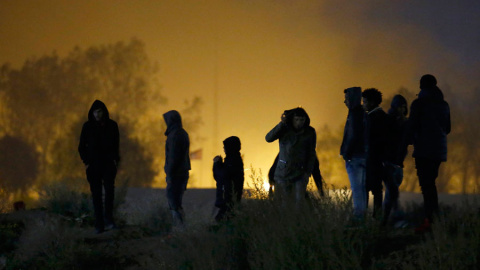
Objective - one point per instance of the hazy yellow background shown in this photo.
(262, 56)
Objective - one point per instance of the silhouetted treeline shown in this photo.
(461, 172)
(44, 103)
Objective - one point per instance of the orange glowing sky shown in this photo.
(264, 56)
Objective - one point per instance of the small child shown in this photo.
(229, 176)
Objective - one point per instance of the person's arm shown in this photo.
(170, 150)
(116, 144)
(218, 169)
(354, 134)
(276, 132)
(178, 150)
(82, 146)
(317, 176)
(411, 124)
(311, 152)
(449, 124)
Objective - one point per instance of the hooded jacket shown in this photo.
(397, 144)
(177, 145)
(316, 174)
(353, 134)
(99, 140)
(297, 149)
(429, 124)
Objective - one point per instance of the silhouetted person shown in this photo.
(177, 164)
(395, 155)
(429, 124)
(376, 135)
(316, 174)
(353, 149)
(297, 141)
(98, 148)
(229, 176)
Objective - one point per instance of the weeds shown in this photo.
(261, 234)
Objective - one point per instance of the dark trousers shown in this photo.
(427, 172)
(102, 177)
(374, 177)
(393, 180)
(176, 186)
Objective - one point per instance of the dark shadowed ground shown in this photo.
(200, 202)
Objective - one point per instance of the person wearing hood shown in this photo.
(429, 124)
(396, 153)
(177, 164)
(229, 176)
(353, 150)
(99, 151)
(376, 138)
(296, 158)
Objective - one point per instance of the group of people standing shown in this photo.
(374, 147)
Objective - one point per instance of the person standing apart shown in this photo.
(429, 124)
(177, 164)
(99, 151)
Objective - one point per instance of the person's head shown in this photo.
(299, 118)
(371, 99)
(98, 114)
(399, 105)
(172, 118)
(232, 145)
(428, 81)
(353, 97)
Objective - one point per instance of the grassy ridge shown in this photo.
(260, 235)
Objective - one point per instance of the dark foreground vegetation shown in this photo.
(261, 235)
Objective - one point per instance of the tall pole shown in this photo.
(215, 92)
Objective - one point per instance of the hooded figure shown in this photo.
(296, 158)
(396, 152)
(429, 124)
(353, 150)
(98, 149)
(177, 164)
(229, 176)
(353, 143)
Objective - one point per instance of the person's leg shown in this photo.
(172, 197)
(300, 187)
(176, 186)
(356, 174)
(397, 179)
(95, 180)
(391, 191)
(427, 172)
(238, 190)
(109, 186)
(219, 195)
(283, 192)
(374, 176)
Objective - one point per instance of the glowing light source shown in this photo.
(266, 185)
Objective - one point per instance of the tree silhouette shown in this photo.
(18, 168)
(46, 101)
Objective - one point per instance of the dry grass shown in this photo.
(261, 235)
